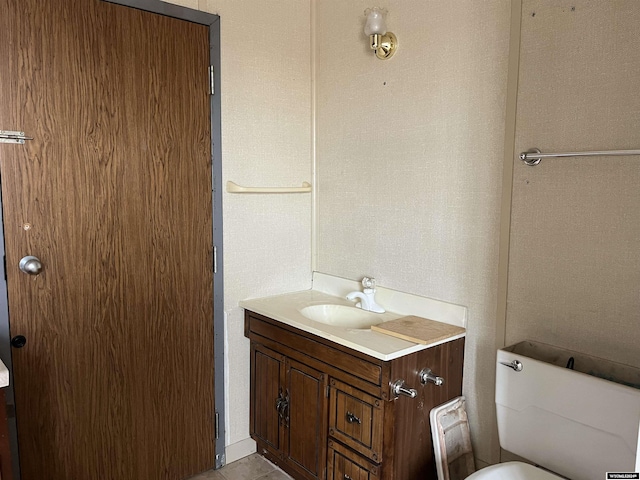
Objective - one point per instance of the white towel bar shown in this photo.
(235, 188)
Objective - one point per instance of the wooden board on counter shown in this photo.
(418, 329)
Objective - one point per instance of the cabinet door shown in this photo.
(267, 397)
(306, 420)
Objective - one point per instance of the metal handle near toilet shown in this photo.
(516, 365)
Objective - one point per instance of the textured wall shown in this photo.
(409, 156)
(409, 163)
(266, 140)
(574, 271)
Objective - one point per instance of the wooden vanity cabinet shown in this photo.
(320, 410)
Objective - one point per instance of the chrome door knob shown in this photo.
(30, 265)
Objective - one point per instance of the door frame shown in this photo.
(212, 21)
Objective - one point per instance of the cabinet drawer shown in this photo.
(342, 464)
(356, 419)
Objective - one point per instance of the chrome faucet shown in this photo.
(367, 300)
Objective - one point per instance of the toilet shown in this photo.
(572, 415)
(513, 471)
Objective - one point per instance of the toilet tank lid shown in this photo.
(513, 471)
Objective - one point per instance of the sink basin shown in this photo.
(341, 316)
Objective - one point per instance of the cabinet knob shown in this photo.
(351, 418)
(282, 406)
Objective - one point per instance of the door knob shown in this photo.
(18, 341)
(30, 265)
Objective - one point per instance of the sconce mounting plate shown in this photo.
(385, 45)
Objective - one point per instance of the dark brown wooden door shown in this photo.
(113, 194)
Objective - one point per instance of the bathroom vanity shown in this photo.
(336, 403)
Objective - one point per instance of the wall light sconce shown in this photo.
(383, 43)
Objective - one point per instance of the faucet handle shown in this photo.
(369, 282)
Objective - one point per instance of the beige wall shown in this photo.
(574, 270)
(266, 140)
(409, 163)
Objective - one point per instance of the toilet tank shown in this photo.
(580, 422)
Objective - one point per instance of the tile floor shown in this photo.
(253, 467)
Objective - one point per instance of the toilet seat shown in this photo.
(512, 471)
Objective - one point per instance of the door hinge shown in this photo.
(217, 426)
(8, 136)
(212, 80)
(215, 259)
(326, 391)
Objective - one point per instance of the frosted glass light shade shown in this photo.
(375, 21)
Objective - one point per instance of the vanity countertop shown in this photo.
(286, 308)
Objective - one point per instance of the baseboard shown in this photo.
(239, 450)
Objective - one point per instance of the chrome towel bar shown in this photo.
(532, 157)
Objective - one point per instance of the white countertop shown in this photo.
(286, 309)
